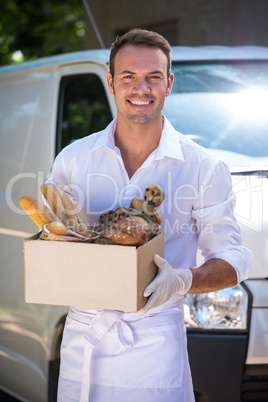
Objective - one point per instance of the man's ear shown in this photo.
(110, 83)
(170, 83)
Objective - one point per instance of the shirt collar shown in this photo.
(106, 137)
(169, 145)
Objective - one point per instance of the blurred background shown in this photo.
(220, 115)
(31, 29)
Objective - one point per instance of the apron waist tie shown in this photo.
(100, 324)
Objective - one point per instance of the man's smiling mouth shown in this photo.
(140, 103)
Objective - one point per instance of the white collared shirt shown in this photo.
(198, 208)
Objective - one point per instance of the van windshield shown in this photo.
(223, 107)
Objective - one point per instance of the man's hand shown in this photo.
(167, 282)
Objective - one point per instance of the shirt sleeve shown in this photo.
(219, 232)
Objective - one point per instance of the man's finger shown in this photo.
(151, 303)
(159, 261)
(152, 287)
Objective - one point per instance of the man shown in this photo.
(123, 356)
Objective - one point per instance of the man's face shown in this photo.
(140, 84)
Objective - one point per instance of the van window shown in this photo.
(83, 108)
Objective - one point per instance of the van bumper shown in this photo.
(217, 362)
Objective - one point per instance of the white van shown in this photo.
(218, 100)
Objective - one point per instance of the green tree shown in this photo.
(35, 28)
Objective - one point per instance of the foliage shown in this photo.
(35, 28)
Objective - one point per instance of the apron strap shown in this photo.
(100, 325)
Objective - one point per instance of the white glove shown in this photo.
(167, 282)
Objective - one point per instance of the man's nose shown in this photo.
(142, 85)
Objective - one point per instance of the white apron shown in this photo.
(114, 356)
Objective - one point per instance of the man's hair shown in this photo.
(140, 37)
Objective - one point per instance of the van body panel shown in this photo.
(29, 97)
(252, 190)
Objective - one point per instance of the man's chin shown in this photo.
(141, 119)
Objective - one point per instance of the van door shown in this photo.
(41, 112)
(26, 113)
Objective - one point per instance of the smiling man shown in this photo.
(140, 83)
(140, 90)
(120, 356)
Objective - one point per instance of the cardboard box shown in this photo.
(88, 275)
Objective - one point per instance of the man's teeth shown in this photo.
(140, 103)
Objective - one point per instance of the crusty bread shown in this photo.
(154, 195)
(109, 217)
(39, 213)
(61, 205)
(57, 228)
(132, 230)
(147, 209)
(152, 213)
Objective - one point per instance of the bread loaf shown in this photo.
(61, 205)
(57, 228)
(132, 230)
(154, 195)
(39, 213)
(147, 210)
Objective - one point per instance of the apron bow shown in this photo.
(102, 323)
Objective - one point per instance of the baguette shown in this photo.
(61, 205)
(56, 228)
(39, 213)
